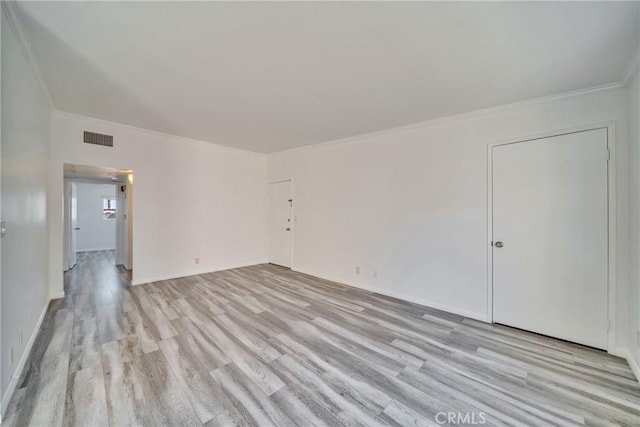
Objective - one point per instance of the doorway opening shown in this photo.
(98, 217)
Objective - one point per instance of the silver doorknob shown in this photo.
(498, 244)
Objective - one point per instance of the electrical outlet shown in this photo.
(20, 336)
(375, 274)
(11, 355)
(357, 269)
(197, 260)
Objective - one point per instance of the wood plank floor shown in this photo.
(266, 346)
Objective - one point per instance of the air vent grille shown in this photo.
(98, 139)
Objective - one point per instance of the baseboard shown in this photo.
(620, 352)
(95, 250)
(633, 364)
(137, 282)
(23, 360)
(56, 295)
(476, 316)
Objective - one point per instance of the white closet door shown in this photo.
(550, 230)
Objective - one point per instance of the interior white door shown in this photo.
(550, 237)
(73, 218)
(280, 223)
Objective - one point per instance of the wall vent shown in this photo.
(98, 139)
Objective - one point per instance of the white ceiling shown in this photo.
(268, 76)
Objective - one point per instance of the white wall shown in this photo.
(24, 179)
(192, 199)
(96, 233)
(634, 197)
(412, 203)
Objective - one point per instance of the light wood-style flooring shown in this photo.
(266, 346)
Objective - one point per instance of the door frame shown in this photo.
(67, 225)
(68, 231)
(293, 217)
(127, 209)
(611, 218)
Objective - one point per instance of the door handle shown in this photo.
(498, 244)
(288, 229)
(77, 228)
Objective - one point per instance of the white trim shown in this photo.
(613, 233)
(293, 221)
(96, 250)
(94, 180)
(65, 114)
(626, 354)
(354, 138)
(619, 352)
(56, 295)
(23, 360)
(611, 191)
(632, 68)
(489, 302)
(179, 276)
(451, 118)
(12, 13)
(430, 304)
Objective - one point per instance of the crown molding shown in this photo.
(455, 117)
(74, 116)
(632, 68)
(413, 126)
(10, 10)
